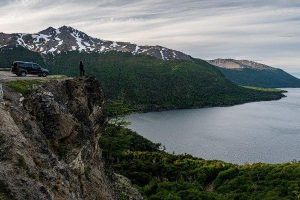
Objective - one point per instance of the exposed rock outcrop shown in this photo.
(49, 144)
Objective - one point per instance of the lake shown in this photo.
(253, 132)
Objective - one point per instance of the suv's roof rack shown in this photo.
(23, 62)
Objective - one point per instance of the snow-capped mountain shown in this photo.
(63, 39)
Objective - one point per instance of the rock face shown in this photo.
(64, 39)
(49, 144)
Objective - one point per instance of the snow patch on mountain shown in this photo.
(22, 43)
(52, 50)
(86, 44)
(174, 54)
(60, 43)
(114, 45)
(20, 40)
(78, 39)
(57, 31)
(102, 48)
(137, 48)
(43, 37)
(162, 54)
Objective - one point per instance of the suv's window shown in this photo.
(28, 65)
(36, 66)
(21, 64)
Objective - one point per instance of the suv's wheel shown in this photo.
(44, 74)
(23, 73)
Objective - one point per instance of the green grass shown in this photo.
(24, 86)
(275, 78)
(57, 77)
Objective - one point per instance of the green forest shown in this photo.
(163, 176)
(146, 83)
(275, 78)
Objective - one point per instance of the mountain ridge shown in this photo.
(250, 73)
(230, 63)
(55, 41)
(66, 38)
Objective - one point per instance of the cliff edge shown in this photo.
(49, 144)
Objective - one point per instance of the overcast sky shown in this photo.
(267, 31)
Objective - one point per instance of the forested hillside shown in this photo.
(163, 176)
(147, 83)
(265, 78)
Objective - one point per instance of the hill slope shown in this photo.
(147, 83)
(249, 73)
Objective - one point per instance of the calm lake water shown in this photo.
(253, 132)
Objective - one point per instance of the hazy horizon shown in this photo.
(264, 31)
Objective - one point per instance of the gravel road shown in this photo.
(8, 76)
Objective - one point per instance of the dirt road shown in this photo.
(8, 76)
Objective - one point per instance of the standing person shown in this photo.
(81, 68)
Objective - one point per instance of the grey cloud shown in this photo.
(265, 30)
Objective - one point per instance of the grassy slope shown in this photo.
(24, 86)
(266, 78)
(147, 83)
(163, 176)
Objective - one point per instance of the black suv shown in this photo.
(21, 68)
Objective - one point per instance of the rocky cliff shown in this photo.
(49, 144)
